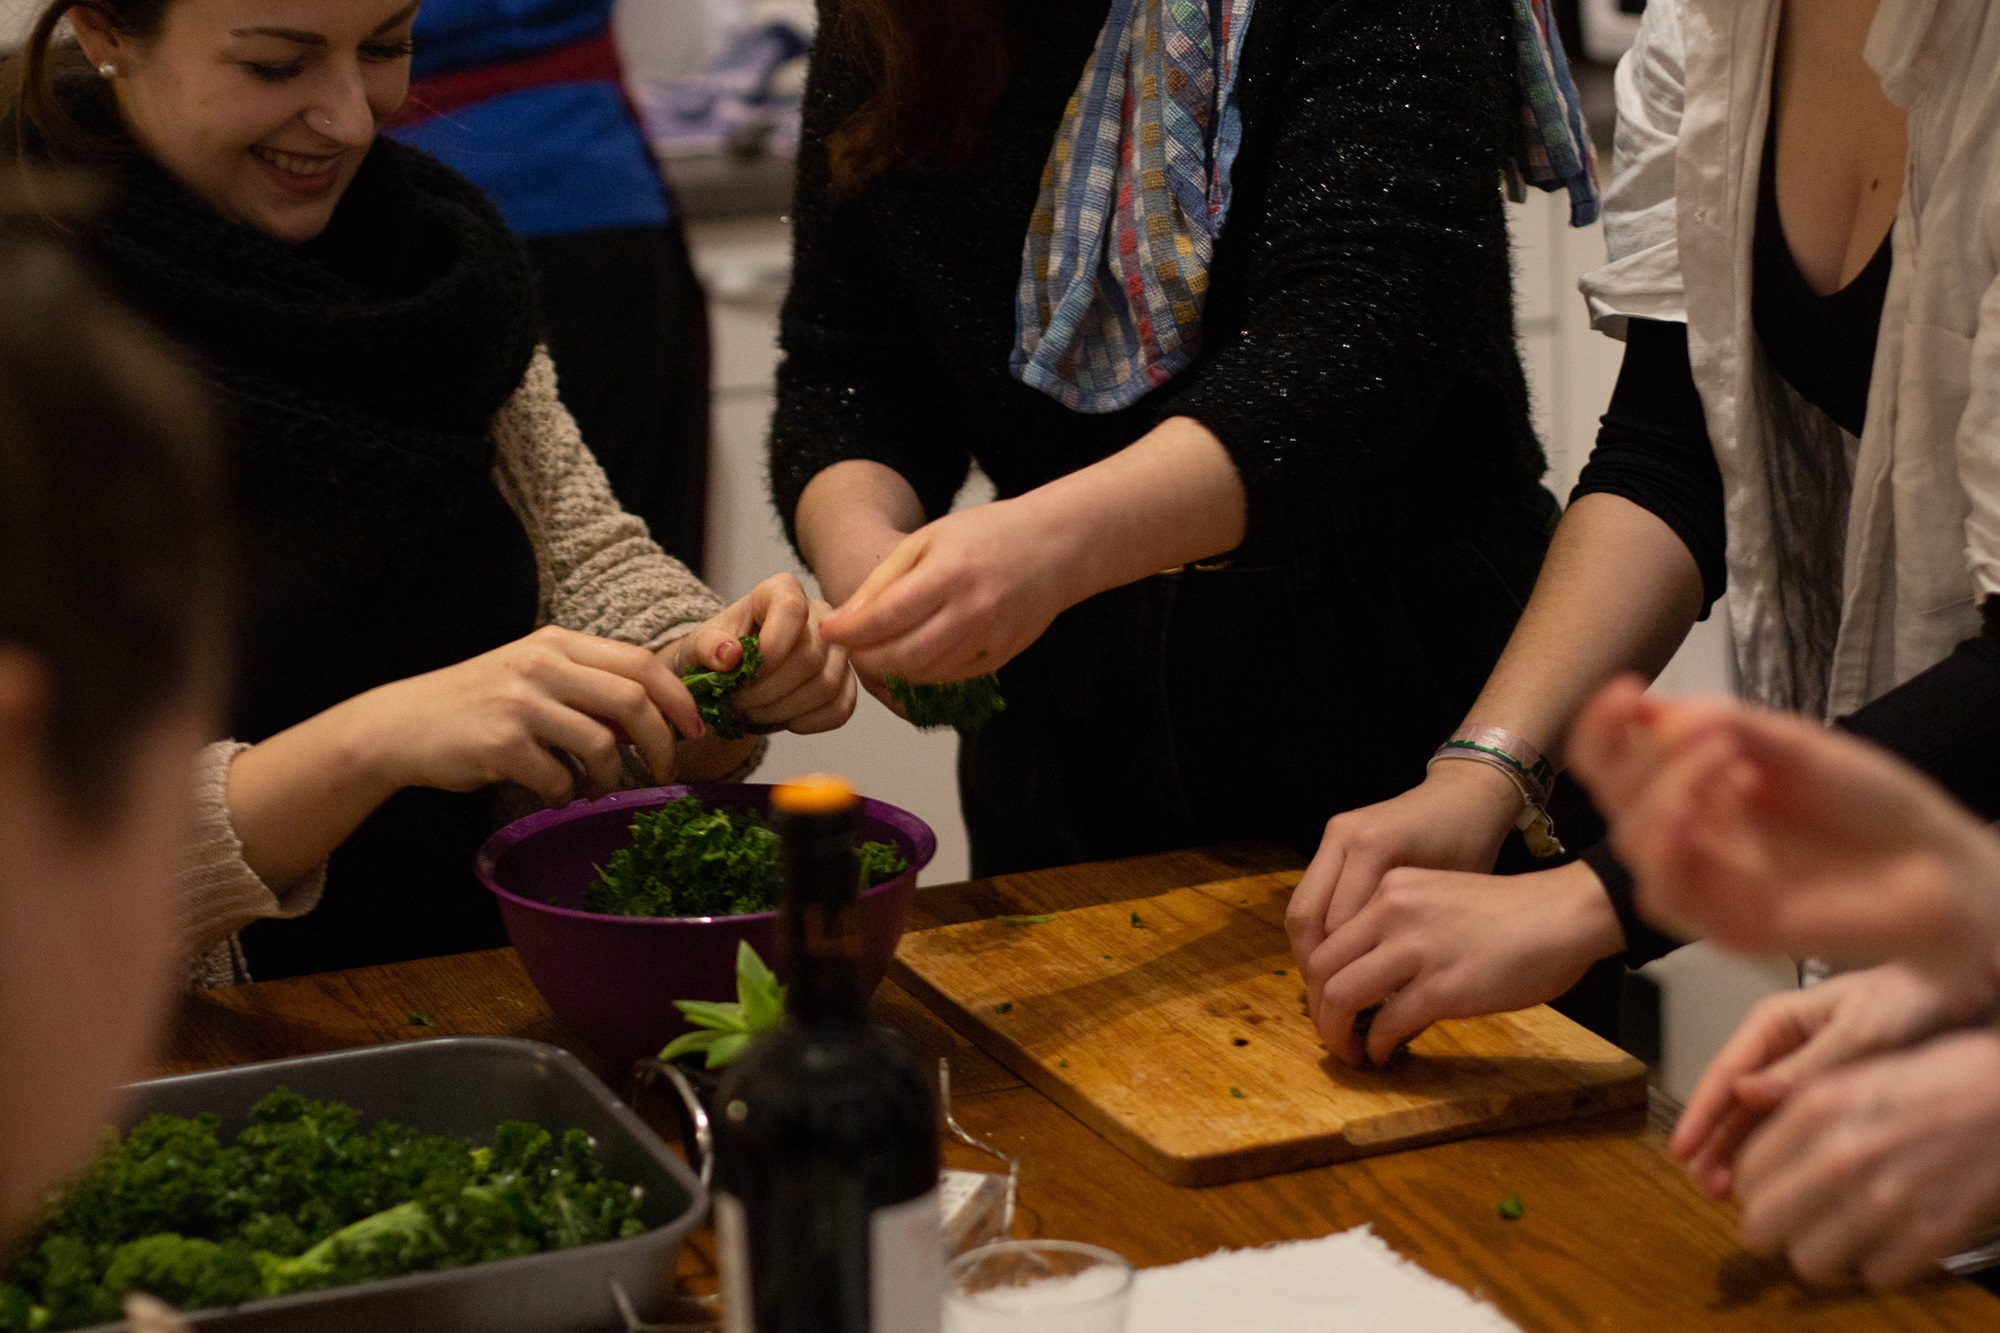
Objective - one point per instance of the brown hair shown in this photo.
(938, 67)
(30, 78)
(113, 568)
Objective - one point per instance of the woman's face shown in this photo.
(90, 951)
(265, 108)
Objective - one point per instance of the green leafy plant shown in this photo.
(722, 1030)
(689, 860)
(964, 704)
(713, 690)
(303, 1199)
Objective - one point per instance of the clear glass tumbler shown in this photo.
(1043, 1286)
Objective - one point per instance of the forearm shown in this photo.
(1618, 593)
(1170, 498)
(297, 796)
(850, 516)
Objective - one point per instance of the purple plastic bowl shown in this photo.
(614, 979)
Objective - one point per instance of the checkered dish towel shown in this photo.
(1136, 190)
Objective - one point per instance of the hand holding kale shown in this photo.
(712, 690)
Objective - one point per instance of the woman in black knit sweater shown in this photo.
(1343, 488)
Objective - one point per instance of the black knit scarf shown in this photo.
(358, 376)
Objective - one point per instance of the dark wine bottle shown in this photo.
(826, 1155)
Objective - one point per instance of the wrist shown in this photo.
(1065, 537)
(1586, 908)
(356, 744)
(1487, 797)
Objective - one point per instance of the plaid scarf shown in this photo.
(1555, 146)
(1114, 273)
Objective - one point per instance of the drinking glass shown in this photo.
(1037, 1286)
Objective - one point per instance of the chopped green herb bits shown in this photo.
(1510, 1208)
(1041, 920)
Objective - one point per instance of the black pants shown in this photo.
(1254, 702)
(628, 330)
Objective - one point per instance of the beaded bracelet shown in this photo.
(1533, 776)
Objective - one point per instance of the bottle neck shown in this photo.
(822, 918)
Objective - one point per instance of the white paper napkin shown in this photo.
(1346, 1283)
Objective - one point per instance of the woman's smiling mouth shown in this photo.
(302, 174)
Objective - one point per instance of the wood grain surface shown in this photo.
(1613, 1237)
(1175, 1026)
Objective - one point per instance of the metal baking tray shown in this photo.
(463, 1086)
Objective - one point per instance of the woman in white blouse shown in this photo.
(1772, 155)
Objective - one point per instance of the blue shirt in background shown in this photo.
(557, 156)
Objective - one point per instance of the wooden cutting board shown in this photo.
(1175, 1026)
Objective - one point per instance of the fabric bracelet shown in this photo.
(1525, 766)
(1508, 750)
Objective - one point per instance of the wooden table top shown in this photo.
(1613, 1236)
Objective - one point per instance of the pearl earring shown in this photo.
(108, 70)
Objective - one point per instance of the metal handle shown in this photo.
(704, 1132)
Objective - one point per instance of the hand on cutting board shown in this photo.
(1770, 834)
(1789, 1038)
(1455, 819)
(1881, 1168)
(1435, 944)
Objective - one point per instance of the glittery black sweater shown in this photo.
(1359, 332)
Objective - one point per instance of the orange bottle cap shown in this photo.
(814, 794)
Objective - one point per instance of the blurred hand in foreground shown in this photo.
(1770, 834)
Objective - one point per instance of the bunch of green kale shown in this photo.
(688, 860)
(966, 705)
(303, 1200)
(715, 691)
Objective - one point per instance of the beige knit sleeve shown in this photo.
(600, 572)
(219, 892)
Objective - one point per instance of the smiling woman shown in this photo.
(441, 593)
(267, 121)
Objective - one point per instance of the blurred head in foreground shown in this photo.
(112, 590)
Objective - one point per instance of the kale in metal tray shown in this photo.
(303, 1200)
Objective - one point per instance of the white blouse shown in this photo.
(1923, 536)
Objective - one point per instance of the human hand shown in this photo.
(960, 596)
(804, 686)
(1885, 1166)
(1789, 1038)
(1435, 944)
(498, 717)
(1769, 834)
(1455, 819)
